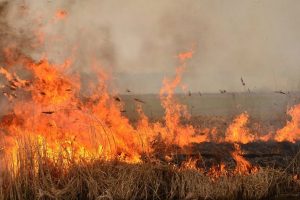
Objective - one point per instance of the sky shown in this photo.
(137, 41)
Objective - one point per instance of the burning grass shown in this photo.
(59, 144)
(61, 139)
(37, 175)
(62, 143)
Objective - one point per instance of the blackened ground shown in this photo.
(278, 155)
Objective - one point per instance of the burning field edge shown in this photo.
(37, 175)
(66, 137)
(61, 143)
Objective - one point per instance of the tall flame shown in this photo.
(242, 165)
(49, 105)
(174, 111)
(291, 132)
(238, 131)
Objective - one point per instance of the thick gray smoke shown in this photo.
(138, 40)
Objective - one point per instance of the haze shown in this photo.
(138, 41)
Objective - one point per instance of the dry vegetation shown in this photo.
(36, 176)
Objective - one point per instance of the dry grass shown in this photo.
(38, 177)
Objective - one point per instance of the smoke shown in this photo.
(137, 41)
(12, 35)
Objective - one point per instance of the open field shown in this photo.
(260, 106)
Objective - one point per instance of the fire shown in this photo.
(238, 131)
(242, 165)
(67, 121)
(52, 109)
(175, 111)
(291, 132)
(48, 105)
(217, 171)
(185, 55)
(60, 15)
(190, 164)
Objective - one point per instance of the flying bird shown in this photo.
(280, 92)
(117, 99)
(138, 100)
(243, 82)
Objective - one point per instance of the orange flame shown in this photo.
(49, 106)
(174, 111)
(238, 132)
(60, 15)
(242, 165)
(52, 108)
(291, 132)
(185, 55)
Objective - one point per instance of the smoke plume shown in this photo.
(137, 41)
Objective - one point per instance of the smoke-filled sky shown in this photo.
(138, 40)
